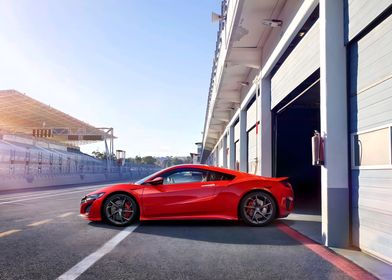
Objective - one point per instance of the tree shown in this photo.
(130, 160)
(149, 160)
(177, 161)
(99, 155)
(138, 160)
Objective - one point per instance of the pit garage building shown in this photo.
(285, 69)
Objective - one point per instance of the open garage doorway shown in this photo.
(295, 121)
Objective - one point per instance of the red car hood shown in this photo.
(117, 187)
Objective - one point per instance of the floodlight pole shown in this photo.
(109, 151)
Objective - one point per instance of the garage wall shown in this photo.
(299, 65)
(362, 12)
(370, 89)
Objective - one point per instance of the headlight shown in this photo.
(92, 197)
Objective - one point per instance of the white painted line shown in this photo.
(303, 217)
(39, 223)
(88, 261)
(8, 232)
(65, 215)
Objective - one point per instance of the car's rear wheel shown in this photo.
(120, 210)
(258, 208)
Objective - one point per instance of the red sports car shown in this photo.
(186, 192)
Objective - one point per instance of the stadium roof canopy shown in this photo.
(21, 114)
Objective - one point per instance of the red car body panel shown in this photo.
(196, 200)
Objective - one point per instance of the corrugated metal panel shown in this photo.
(228, 150)
(371, 103)
(299, 65)
(372, 108)
(372, 220)
(362, 12)
(237, 131)
(220, 155)
(252, 151)
(251, 116)
(237, 155)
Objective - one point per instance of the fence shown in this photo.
(33, 162)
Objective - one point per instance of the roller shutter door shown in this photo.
(228, 150)
(251, 121)
(220, 155)
(237, 155)
(236, 131)
(303, 61)
(237, 146)
(362, 12)
(370, 70)
(252, 151)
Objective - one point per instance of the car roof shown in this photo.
(209, 167)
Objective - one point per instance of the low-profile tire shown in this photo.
(120, 210)
(257, 208)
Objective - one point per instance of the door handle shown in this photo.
(208, 185)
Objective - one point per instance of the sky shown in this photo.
(140, 66)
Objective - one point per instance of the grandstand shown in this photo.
(40, 146)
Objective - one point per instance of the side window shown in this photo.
(218, 176)
(184, 176)
(372, 148)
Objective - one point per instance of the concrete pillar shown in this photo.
(333, 113)
(224, 151)
(243, 142)
(265, 153)
(231, 148)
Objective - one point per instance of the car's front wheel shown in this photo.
(120, 210)
(257, 208)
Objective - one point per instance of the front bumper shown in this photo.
(90, 209)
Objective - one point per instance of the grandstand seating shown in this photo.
(21, 158)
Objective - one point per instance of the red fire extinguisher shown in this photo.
(317, 149)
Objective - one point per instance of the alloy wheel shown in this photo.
(258, 209)
(120, 209)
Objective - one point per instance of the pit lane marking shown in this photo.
(43, 194)
(65, 214)
(88, 261)
(8, 232)
(40, 223)
(39, 197)
(12, 231)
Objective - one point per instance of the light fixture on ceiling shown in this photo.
(272, 22)
(301, 33)
(216, 17)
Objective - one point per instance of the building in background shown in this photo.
(196, 156)
(285, 69)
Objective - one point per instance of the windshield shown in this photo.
(141, 181)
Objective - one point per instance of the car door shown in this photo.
(222, 196)
(184, 192)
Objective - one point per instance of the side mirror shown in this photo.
(156, 181)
